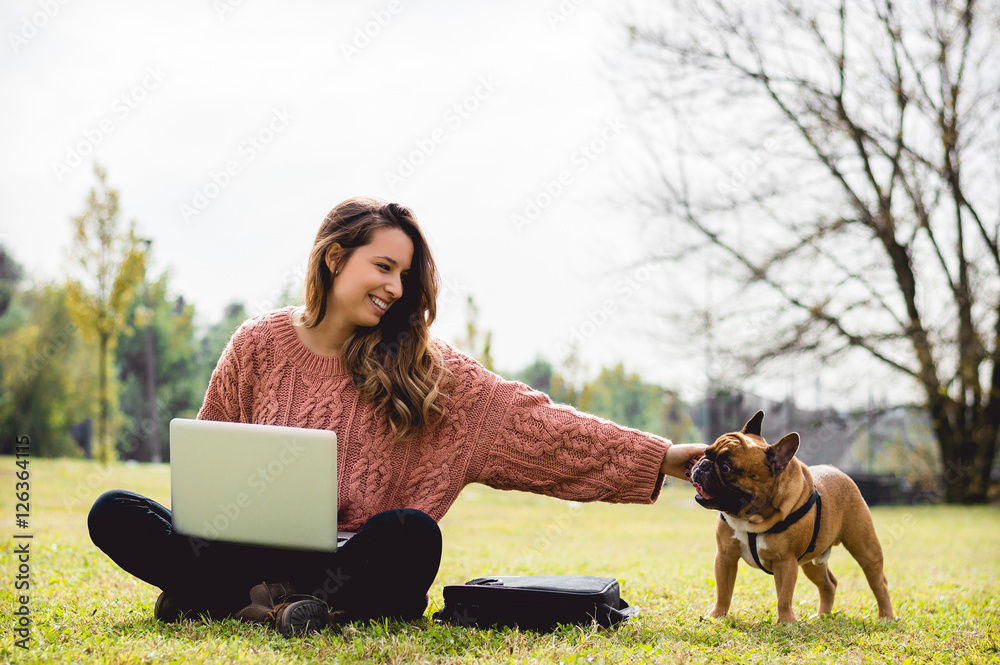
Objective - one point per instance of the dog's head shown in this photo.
(740, 473)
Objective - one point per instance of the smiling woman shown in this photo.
(371, 294)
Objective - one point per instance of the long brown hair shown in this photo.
(394, 363)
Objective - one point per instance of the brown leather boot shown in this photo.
(277, 605)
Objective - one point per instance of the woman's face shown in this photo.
(371, 280)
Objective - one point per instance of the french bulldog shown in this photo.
(777, 514)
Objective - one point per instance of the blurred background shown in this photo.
(667, 214)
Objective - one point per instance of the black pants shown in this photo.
(383, 571)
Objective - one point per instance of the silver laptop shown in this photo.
(254, 484)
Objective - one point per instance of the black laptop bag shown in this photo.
(535, 602)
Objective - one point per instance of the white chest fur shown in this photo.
(743, 538)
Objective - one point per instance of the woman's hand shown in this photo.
(679, 459)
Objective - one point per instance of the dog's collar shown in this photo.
(784, 524)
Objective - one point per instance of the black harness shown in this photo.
(784, 524)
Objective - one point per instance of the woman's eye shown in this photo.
(383, 266)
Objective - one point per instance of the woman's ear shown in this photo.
(332, 255)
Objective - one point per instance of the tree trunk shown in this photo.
(967, 455)
(104, 445)
(152, 432)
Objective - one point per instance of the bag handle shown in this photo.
(608, 616)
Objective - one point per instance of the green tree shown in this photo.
(569, 385)
(541, 376)
(626, 399)
(44, 386)
(163, 330)
(214, 341)
(676, 422)
(538, 375)
(109, 265)
(10, 275)
(618, 396)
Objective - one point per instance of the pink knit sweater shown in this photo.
(497, 432)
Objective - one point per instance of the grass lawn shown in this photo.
(943, 565)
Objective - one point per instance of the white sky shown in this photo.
(164, 95)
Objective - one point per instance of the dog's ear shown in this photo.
(753, 425)
(781, 453)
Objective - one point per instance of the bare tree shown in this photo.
(839, 159)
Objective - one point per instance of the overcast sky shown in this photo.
(231, 127)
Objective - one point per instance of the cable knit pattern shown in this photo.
(497, 432)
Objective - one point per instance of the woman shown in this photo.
(416, 421)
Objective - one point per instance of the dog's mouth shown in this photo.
(701, 491)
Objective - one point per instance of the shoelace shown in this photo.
(272, 616)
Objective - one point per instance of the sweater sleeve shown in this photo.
(529, 443)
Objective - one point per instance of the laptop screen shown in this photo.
(254, 484)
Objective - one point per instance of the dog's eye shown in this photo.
(725, 468)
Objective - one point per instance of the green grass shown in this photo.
(942, 563)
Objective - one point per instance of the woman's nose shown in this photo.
(395, 287)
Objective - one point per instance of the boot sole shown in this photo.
(303, 616)
(165, 609)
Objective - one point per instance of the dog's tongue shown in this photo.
(701, 491)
